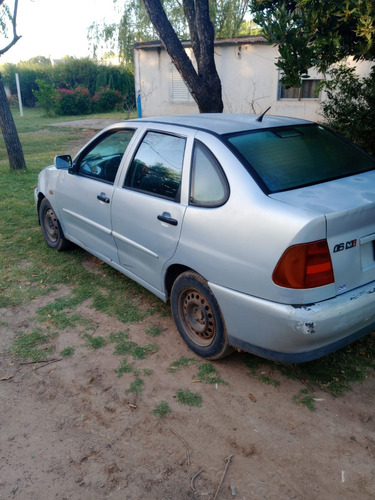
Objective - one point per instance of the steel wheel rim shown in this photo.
(50, 225)
(199, 319)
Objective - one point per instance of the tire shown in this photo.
(198, 317)
(51, 228)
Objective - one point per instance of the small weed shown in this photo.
(154, 331)
(255, 365)
(67, 352)
(136, 386)
(95, 342)
(123, 345)
(208, 374)
(188, 398)
(181, 363)
(147, 372)
(124, 368)
(141, 352)
(161, 409)
(303, 398)
(28, 346)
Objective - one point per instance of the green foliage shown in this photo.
(181, 363)
(68, 73)
(95, 342)
(350, 106)
(227, 17)
(107, 99)
(67, 352)
(73, 102)
(315, 33)
(304, 398)
(154, 331)
(208, 374)
(32, 346)
(124, 367)
(46, 96)
(161, 410)
(136, 386)
(188, 398)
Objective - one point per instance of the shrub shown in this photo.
(107, 99)
(46, 96)
(73, 101)
(350, 106)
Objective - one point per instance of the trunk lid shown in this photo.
(348, 205)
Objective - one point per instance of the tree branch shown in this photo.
(14, 23)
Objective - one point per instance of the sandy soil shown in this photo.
(71, 430)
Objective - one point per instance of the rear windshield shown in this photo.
(293, 157)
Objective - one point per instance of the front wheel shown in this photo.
(197, 316)
(51, 228)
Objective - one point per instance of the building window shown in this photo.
(309, 90)
(179, 91)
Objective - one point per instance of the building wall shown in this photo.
(250, 83)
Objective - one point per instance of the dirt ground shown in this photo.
(71, 430)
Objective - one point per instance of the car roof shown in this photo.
(224, 123)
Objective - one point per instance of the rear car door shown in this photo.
(84, 195)
(147, 213)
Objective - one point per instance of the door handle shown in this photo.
(103, 197)
(168, 219)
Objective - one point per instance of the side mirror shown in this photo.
(63, 161)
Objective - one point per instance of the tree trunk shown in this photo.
(204, 85)
(8, 128)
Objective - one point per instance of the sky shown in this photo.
(56, 28)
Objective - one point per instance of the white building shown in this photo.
(250, 81)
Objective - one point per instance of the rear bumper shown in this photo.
(296, 333)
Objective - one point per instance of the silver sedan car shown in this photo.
(259, 231)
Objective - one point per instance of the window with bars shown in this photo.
(308, 90)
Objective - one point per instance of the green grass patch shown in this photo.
(136, 386)
(154, 331)
(123, 368)
(95, 342)
(181, 363)
(67, 352)
(257, 370)
(32, 346)
(208, 374)
(304, 398)
(161, 410)
(188, 398)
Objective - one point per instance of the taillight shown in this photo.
(307, 265)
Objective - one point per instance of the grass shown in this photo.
(161, 410)
(32, 346)
(188, 398)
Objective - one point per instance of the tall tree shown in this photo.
(204, 83)
(7, 125)
(316, 33)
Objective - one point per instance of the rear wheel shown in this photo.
(198, 317)
(51, 228)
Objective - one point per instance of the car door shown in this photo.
(146, 212)
(84, 194)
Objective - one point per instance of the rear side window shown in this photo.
(208, 187)
(157, 166)
(293, 157)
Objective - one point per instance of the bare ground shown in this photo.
(71, 430)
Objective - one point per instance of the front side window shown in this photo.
(157, 166)
(103, 159)
(208, 187)
(292, 157)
